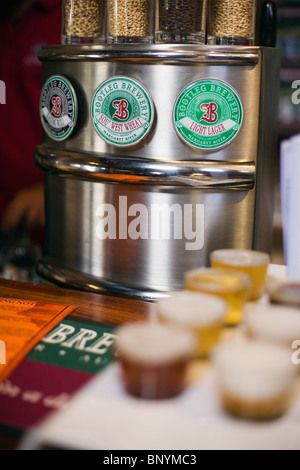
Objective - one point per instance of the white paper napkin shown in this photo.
(290, 202)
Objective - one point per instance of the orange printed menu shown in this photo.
(23, 323)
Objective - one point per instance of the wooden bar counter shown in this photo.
(94, 307)
(90, 308)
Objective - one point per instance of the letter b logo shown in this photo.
(122, 109)
(210, 112)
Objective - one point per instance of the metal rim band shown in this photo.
(177, 53)
(132, 170)
(74, 280)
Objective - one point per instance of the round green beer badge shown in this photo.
(58, 108)
(208, 114)
(122, 111)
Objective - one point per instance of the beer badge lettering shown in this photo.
(208, 114)
(58, 108)
(122, 111)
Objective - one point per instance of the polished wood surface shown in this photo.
(93, 307)
(89, 307)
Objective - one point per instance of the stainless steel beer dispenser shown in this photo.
(154, 155)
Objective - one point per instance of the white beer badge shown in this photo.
(122, 111)
(58, 108)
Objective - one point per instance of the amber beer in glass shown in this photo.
(230, 285)
(204, 315)
(253, 263)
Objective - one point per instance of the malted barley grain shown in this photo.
(83, 19)
(129, 18)
(180, 20)
(232, 18)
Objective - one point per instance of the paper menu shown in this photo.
(23, 323)
(290, 203)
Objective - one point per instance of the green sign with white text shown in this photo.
(77, 346)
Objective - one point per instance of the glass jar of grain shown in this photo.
(130, 21)
(180, 21)
(83, 21)
(231, 22)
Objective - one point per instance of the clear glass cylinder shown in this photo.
(231, 22)
(83, 21)
(130, 21)
(180, 21)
